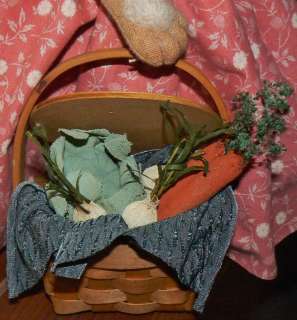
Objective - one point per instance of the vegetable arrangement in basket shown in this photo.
(92, 174)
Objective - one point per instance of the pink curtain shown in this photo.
(237, 44)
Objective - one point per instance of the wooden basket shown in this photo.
(124, 278)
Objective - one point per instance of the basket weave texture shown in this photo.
(124, 280)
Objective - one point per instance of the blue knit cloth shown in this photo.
(192, 244)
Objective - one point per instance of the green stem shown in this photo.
(180, 153)
(75, 195)
(212, 135)
(158, 188)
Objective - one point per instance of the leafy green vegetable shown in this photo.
(89, 165)
(58, 185)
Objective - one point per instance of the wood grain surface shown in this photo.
(37, 307)
(235, 294)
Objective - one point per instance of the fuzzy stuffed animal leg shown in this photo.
(154, 30)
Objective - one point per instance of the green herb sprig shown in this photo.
(248, 134)
(187, 140)
(253, 135)
(58, 183)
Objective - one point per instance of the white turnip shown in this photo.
(93, 211)
(142, 212)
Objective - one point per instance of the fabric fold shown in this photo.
(192, 244)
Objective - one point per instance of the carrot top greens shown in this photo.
(258, 120)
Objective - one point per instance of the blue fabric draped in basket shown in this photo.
(193, 244)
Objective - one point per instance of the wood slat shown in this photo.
(137, 286)
(62, 306)
(48, 283)
(38, 307)
(170, 296)
(187, 306)
(57, 285)
(102, 308)
(66, 296)
(158, 273)
(95, 284)
(123, 257)
(91, 296)
(170, 283)
(137, 274)
(139, 298)
(93, 273)
(136, 308)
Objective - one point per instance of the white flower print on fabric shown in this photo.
(44, 7)
(13, 117)
(68, 8)
(240, 60)
(277, 23)
(33, 77)
(194, 25)
(255, 49)
(217, 39)
(277, 166)
(3, 67)
(262, 230)
(219, 21)
(4, 147)
(294, 20)
(280, 217)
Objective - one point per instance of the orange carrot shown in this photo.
(193, 190)
(212, 151)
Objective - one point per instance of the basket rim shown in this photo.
(127, 95)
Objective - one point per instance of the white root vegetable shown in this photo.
(94, 210)
(149, 176)
(140, 213)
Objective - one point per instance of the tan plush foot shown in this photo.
(154, 30)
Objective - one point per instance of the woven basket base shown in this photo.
(123, 280)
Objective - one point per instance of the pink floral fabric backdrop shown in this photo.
(237, 44)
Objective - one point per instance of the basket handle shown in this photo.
(101, 55)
